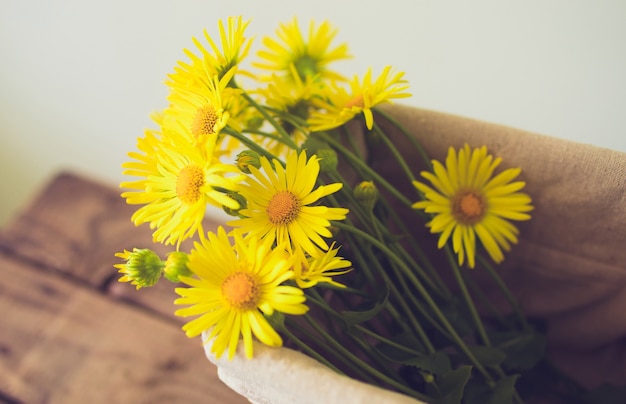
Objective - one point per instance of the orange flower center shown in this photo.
(188, 184)
(468, 207)
(283, 208)
(357, 101)
(204, 121)
(241, 291)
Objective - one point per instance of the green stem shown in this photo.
(286, 139)
(477, 291)
(411, 138)
(456, 338)
(308, 350)
(333, 353)
(250, 144)
(372, 260)
(394, 151)
(468, 299)
(506, 292)
(359, 163)
(363, 365)
(387, 341)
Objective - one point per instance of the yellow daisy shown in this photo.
(310, 57)
(468, 201)
(279, 200)
(341, 105)
(198, 112)
(290, 98)
(234, 48)
(319, 267)
(176, 189)
(235, 287)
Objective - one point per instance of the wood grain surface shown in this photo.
(69, 332)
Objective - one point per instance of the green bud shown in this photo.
(327, 159)
(255, 122)
(176, 265)
(428, 377)
(366, 194)
(240, 200)
(143, 267)
(248, 158)
(313, 143)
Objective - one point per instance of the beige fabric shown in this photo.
(569, 266)
(285, 376)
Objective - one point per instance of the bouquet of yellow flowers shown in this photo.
(338, 247)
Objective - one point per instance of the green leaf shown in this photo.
(396, 354)
(452, 384)
(523, 351)
(437, 363)
(488, 356)
(369, 311)
(477, 391)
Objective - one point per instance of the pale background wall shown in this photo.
(79, 78)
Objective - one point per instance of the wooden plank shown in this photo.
(61, 341)
(75, 226)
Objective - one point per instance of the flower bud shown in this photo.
(248, 158)
(143, 267)
(366, 194)
(255, 122)
(176, 265)
(327, 159)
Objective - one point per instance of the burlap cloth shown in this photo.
(569, 267)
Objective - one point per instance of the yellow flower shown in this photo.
(468, 201)
(145, 161)
(234, 48)
(319, 267)
(310, 57)
(279, 204)
(341, 105)
(198, 112)
(177, 188)
(236, 286)
(290, 99)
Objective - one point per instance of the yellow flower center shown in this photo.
(189, 183)
(241, 291)
(283, 208)
(468, 207)
(204, 121)
(357, 101)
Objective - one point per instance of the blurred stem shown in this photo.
(468, 299)
(396, 154)
(506, 292)
(387, 341)
(410, 138)
(286, 138)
